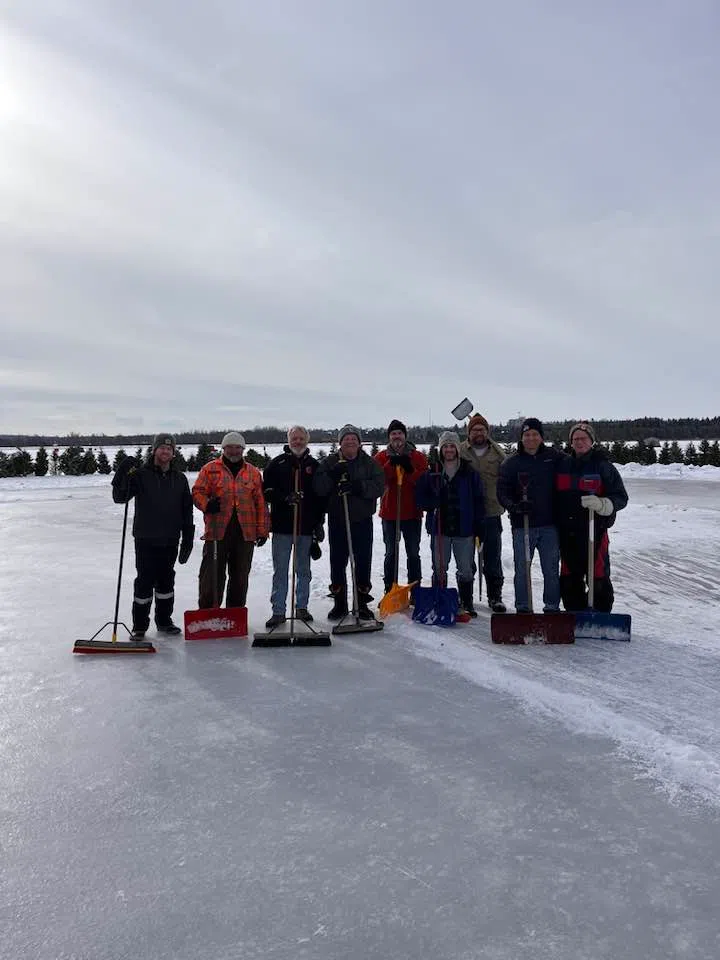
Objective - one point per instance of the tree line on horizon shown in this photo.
(77, 460)
(609, 431)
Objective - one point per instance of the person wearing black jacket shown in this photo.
(585, 481)
(288, 481)
(355, 475)
(163, 521)
(526, 487)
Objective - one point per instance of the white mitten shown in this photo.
(602, 506)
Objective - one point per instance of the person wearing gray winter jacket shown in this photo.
(354, 478)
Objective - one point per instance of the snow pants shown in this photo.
(573, 573)
(155, 566)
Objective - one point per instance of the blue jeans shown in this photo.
(462, 548)
(410, 531)
(281, 553)
(545, 540)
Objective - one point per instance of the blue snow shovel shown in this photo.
(437, 606)
(592, 624)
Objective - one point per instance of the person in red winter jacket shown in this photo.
(401, 455)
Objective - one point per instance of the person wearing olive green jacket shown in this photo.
(485, 456)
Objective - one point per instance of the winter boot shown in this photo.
(465, 589)
(340, 607)
(363, 612)
(137, 634)
(170, 628)
(494, 594)
(302, 613)
(276, 620)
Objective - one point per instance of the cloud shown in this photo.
(325, 215)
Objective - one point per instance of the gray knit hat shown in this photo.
(448, 437)
(349, 428)
(585, 427)
(233, 439)
(163, 440)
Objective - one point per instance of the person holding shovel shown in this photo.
(586, 480)
(486, 457)
(163, 522)
(297, 513)
(229, 492)
(350, 476)
(526, 486)
(402, 456)
(452, 493)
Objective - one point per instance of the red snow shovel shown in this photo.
(529, 628)
(114, 645)
(216, 622)
(591, 624)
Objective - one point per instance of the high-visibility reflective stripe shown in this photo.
(142, 599)
(164, 596)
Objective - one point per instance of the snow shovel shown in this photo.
(530, 628)
(397, 598)
(292, 638)
(437, 606)
(592, 624)
(359, 626)
(114, 645)
(216, 622)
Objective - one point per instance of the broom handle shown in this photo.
(591, 559)
(120, 569)
(351, 554)
(296, 521)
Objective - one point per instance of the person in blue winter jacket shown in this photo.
(526, 487)
(452, 493)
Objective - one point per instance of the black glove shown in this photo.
(434, 459)
(343, 486)
(338, 470)
(294, 497)
(261, 541)
(213, 505)
(186, 545)
(402, 460)
(521, 507)
(319, 533)
(315, 551)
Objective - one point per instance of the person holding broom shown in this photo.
(353, 476)
(297, 513)
(163, 522)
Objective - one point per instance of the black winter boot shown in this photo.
(465, 589)
(363, 612)
(340, 607)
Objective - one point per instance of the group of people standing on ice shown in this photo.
(463, 488)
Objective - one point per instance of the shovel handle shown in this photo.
(591, 559)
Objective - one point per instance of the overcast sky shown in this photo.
(233, 213)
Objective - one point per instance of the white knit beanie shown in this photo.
(233, 439)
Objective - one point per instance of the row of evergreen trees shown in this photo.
(79, 461)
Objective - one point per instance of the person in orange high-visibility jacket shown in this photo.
(229, 492)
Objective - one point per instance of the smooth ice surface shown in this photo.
(416, 793)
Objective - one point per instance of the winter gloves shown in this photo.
(186, 545)
(213, 505)
(125, 475)
(261, 541)
(344, 486)
(402, 460)
(521, 507)
(602, 506)
(294, 497)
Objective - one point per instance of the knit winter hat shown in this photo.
(448, 437)
(349, 428)
(233, 439)
(163, 440)
(532, 423)
(477, 419)
(396, 425)
(584, 426)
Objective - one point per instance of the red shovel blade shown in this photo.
(528, 628)
(216, 623)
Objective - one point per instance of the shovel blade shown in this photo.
(292, 639)
(113, 646)
(216, 623)
(530, 628)
(592, 625)
(436, 606)
(358, 626)
(395, 600)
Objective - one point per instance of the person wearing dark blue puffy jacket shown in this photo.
(526, 487)
(452, 493)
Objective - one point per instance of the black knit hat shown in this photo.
(396, 425)
(532, 423)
